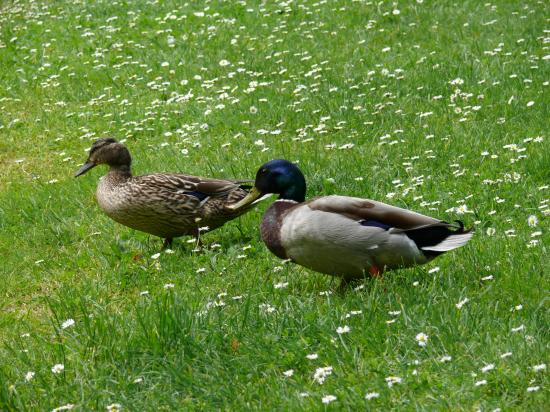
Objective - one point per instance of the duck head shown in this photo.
(276, 176)
(107, 151)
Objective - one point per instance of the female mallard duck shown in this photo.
(162, 204)
(345, 236)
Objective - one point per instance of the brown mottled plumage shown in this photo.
(163, 204)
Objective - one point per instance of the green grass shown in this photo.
(316, 75)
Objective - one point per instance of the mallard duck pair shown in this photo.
(337, 235)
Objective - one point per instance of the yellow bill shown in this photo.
(248, 199)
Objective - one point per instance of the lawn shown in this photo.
(441, 107)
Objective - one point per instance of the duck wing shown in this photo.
(179, 183)
(208, 186)
(185, 192)
(371, 210)
(430, 235)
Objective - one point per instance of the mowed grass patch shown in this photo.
(439, 107)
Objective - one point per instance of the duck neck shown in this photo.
(120, 173)
(270, 228)
(296, 192)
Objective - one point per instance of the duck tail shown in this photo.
(451, 242)
(439, 238)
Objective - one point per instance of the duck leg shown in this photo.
(167, 243)
(375, 272)
(344, 285)
(199, 245)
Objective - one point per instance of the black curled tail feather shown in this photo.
(461, 227)
(458, 225)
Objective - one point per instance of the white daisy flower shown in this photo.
(422, 339)
(392, 380)
(58, 368)
(67, 324)
(328, 399)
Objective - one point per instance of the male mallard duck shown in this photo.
(162, 204)
(345, 236)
